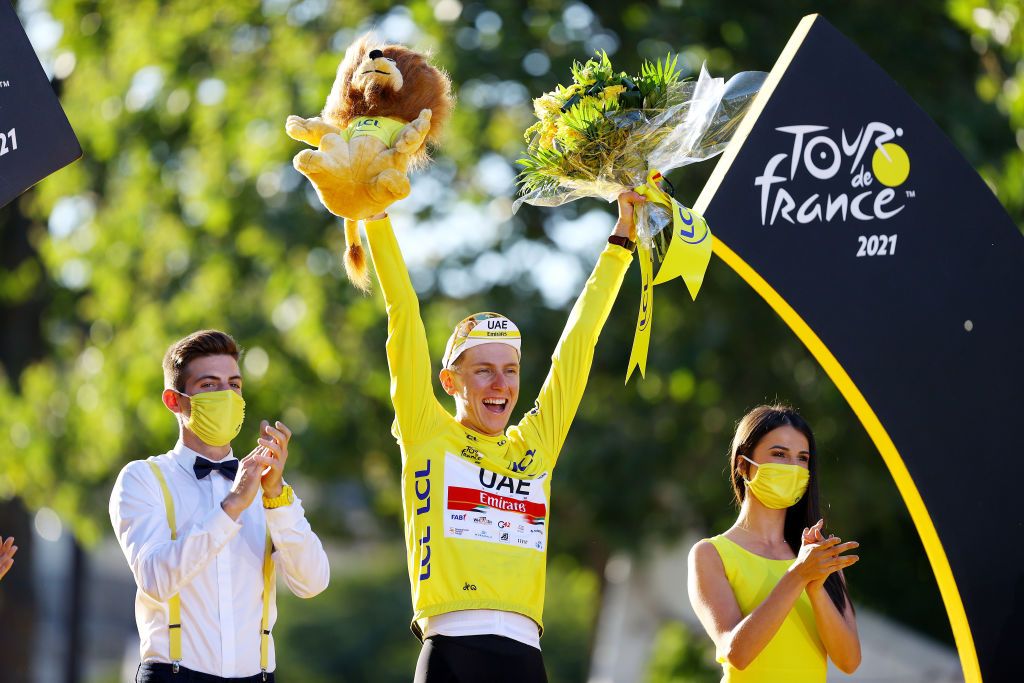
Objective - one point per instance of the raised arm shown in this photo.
(562, 391)
(416, 408)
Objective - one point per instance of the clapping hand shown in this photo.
(247, 481)
(819, 556)
(262, 468)
(275, 440)
(7, 550)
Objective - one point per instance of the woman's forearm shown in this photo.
(755, 631)
(838, 632)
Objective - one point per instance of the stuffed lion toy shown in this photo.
(386, 104)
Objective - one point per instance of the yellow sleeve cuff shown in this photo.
(379, 223)
(619, 253)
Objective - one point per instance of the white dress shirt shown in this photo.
(216, 563)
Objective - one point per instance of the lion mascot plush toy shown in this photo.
(387, 103)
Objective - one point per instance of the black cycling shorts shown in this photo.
(479, 659)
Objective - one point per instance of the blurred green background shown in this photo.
(185, 213)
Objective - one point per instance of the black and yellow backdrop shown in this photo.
(185, 212)
(844, 206)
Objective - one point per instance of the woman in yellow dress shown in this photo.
(770, 591)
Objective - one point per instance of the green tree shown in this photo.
(185, 213)
(996, 35)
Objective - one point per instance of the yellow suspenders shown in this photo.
(174, 603)
(268, 581)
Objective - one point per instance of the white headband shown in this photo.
(479, 329)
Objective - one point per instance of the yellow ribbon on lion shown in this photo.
(689, 253)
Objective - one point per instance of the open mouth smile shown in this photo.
(496, 405)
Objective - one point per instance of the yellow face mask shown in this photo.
(216, 416)
(777, 485)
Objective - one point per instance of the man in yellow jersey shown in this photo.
(475, 494)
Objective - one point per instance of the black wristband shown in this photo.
(623, 242)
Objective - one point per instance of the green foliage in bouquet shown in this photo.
(582, 129)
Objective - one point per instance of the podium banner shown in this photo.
(35, 136)
(849, 211)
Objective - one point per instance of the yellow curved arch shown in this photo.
(904, 483)
(918, 512)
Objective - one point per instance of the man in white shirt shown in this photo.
(201, 608)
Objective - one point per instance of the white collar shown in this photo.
(185, 457)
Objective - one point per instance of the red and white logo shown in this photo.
(517, 507)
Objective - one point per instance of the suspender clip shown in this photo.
(264, 674)
(174, 667)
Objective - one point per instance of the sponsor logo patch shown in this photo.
(477, 500)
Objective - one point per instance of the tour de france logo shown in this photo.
(835, 174)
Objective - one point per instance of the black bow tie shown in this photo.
(227, 468)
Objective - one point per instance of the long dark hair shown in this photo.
(804, 513)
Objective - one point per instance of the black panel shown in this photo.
(35, 136)
(931, 334)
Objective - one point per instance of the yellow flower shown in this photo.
(546, 106)
(569, 136)
(612, 92)
(531, 131)
(567, 92)
(547, 134)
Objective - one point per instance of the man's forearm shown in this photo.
(163, 569)
(300, 553)
(571, 362)
(234, 505)
(587, 318)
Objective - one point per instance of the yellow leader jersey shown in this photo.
(477, 507)
(795, 654)
(380, 127)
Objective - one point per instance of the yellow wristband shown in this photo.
(285, 498)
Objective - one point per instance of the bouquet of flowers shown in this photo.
(608, 132)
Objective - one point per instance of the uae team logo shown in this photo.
(833, 174)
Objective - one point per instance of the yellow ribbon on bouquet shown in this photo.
(689, 253)
(642, 337)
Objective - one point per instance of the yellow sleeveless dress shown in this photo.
(796, 653)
